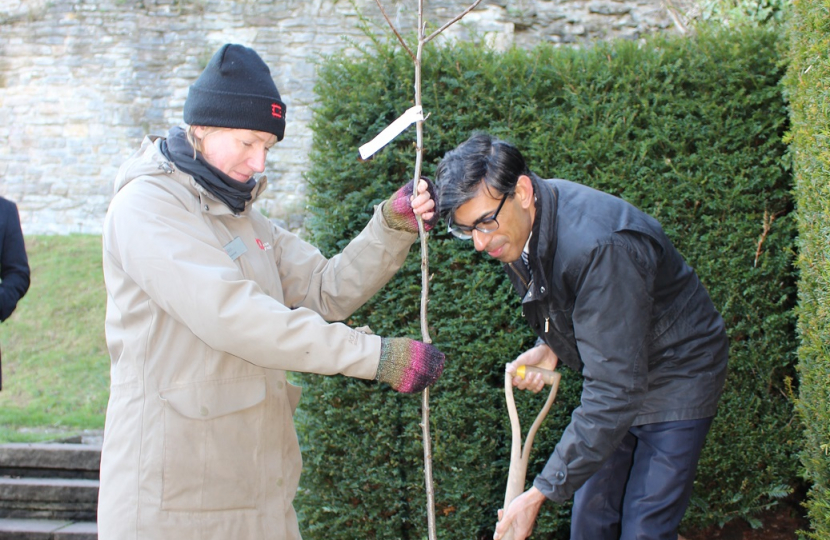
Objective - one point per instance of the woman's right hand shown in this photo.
(540, 356)
(407, 365)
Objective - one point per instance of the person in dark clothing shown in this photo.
(14, 265)
(610, 297)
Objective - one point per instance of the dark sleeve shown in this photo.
(14, 265)
(612, 318)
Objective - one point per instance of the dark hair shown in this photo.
(481, 159)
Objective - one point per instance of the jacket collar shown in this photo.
(543, 242)
(208, 203)
(546, 224)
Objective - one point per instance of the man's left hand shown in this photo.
(540, 356)
(521, 515)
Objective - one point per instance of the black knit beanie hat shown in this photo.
(236, 91)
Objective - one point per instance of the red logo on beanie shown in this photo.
(276, 110)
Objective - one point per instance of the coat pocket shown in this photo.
(212, 433)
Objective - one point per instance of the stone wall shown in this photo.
(82, 82)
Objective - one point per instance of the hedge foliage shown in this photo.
(808, 88)
(688, 129)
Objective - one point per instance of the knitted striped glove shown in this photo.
(407, 365)
(398, 209)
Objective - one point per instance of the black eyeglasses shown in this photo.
(487, 224)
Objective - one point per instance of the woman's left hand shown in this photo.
(423, 204)
(402, 208)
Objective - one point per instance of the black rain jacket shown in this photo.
(14, 265)
(617, 303)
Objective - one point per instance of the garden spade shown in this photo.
(520, 455)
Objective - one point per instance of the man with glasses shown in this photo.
(610, 297)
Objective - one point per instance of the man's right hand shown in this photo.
(540, 356)
(521, 515)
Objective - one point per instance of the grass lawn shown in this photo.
(55, 360)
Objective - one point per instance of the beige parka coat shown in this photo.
(206, 311)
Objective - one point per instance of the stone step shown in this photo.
(41, 529)
(50, 460)
(70, 499)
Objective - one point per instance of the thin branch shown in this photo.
(768, 219)
(452, 22)
(395, 30)
(431, 531)
(675, 17)
(419, 151)
(416, 177)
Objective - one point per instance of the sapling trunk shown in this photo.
(417, 58)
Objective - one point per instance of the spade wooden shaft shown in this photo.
(519, 455)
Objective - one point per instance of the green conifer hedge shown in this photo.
(687, 129)
(808, 87)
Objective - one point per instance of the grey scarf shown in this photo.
(178, 150)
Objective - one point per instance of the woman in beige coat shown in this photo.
(209, 304)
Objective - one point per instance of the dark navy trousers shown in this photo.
(642, 491)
